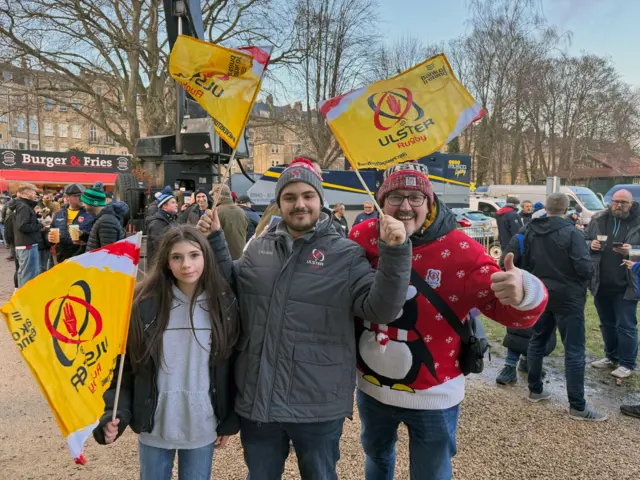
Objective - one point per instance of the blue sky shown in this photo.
(603, 27)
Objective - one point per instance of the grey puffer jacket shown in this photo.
(297, 353)
(598, 226)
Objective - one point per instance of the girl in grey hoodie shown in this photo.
(176, 390)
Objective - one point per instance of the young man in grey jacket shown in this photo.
(299, 287)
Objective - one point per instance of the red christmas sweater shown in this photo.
(393, 359)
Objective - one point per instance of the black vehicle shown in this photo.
(191, 158)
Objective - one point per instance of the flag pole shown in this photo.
(364, 184)
(122, 355)
(115, 403)
(226, 173)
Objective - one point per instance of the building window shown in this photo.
(93, 134)
(4, 118)
(20, 125)
(49, 147)
(108, 140)
(98, 91)
(124, 152)
(63, 130)
(35, 146)
(8, 76)
(1, 137)
(21, 146)
(28, 81)
(48, 130)
(33, 125)
(64, 147)
(76, 131)
(48, 104)
(63, 108)
(75, 104)
(101, 151)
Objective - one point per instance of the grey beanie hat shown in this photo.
(299, 171)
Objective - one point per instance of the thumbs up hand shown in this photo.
(508, 286)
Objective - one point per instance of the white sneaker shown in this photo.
(622, 372)
(604, 363)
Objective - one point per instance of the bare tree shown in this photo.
(334, 36)
(114, 53)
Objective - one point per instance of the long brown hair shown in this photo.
(158, 287)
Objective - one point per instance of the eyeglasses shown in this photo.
(620, 202)
(415, 200)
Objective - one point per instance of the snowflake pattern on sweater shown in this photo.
(419, 339)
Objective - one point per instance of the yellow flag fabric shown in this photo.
(224, 82)
(403, 118)
(70, 324)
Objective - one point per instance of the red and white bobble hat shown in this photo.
(406, 176)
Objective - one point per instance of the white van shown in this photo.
(582, 196)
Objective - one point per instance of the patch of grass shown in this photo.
(595, 345)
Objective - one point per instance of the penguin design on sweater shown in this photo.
(389, 355)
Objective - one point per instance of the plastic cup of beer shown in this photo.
(74, 231)
(634, 254)
(602, 238)
(55, 235)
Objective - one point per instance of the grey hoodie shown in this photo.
(184, 418)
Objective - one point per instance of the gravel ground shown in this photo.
(501, 436)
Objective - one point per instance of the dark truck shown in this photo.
(193, 157)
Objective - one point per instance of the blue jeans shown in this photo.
(2, 232)
(157, 463)
(619, 327)
(266, 448)
(572, 333)
(432, 439)
(512, 358)
(44, 255)
(29, 264)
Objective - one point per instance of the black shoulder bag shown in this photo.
(473, 344)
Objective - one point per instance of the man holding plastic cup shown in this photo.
(71, 225)
(611, 235)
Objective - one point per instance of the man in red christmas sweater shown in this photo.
(409, 370)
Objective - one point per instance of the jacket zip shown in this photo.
(286, 264)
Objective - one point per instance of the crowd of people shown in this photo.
(269, 325)
(43, 230)
(570, 259)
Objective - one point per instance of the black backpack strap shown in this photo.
(443, 307)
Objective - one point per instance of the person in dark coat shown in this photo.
(509, 221)
(244, 202)
(527, 212)
(121, 209)
(556, 252)
(164, 218)
(368, 214)
(611, 234)
(107, 226)
(193, 212)
(27, 234)
(339, 220)
(72, 213)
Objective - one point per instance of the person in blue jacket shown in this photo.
(72, 213)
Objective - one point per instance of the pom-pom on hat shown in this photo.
(95, 195)
(165, 196)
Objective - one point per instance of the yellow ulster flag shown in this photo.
(70, 324)
(224, 82)
(403, 118)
